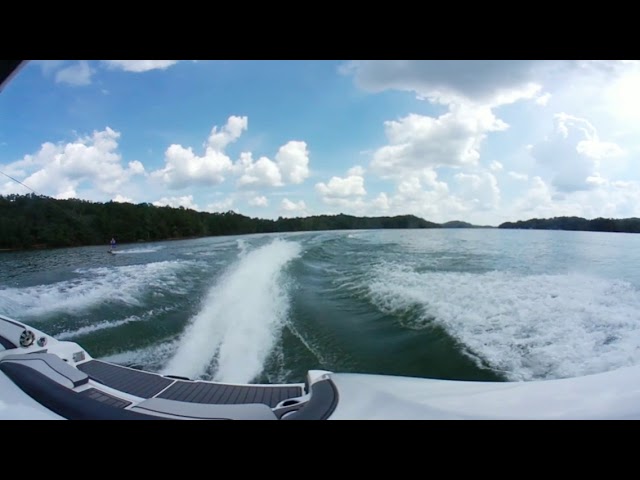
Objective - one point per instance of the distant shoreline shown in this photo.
(32, 222)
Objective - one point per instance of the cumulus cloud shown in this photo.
(221, 206)
(291, 166)
(122, 199)
(293, 161)
(481, 189)
(543, 99)
(263, 172)
(573, 152)
(518, 176)
(574, 157)
(60, 169)
(338, 187)
(220, 138)
(423, 195)
(605, 198)
(496, 166)
(139, 65)
(381, 202)
(259, 201)
(183, 167)
(78, 74)
(418, 141)
(185, 201)
(299, 208)
(536, 201)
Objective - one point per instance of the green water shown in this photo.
(454, 304)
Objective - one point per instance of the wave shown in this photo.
(525, 326)
(93, 286)
(235, 330)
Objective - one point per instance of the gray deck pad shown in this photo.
(105, 398)
(211, 393)
(128, 380)
(147, 385)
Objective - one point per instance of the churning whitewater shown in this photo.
(240, 317)
(467, 304)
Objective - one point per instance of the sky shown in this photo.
(483, 141)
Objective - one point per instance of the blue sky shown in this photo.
(481, 141)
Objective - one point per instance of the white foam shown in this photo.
(150, 358)
(239, 319)
(242, 247)
(67, 334)
(528, 327)
(137, 250)
(92, 287)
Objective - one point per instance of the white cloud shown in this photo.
(573, 152)
(77, 75)
(219, 139)
(543, 99)
(381, 202)
(139, 65)
(518, 176)
(184, 201)
(288, 206)
(605, 199)
(136, 168)
(293, 161)
(481, 189)
(221, 206)
(597, 180)
(60, 169)
(574, 159)
(337, 187)
(596, 149)
(418, 141)
(290, 167)
(184, 168)
(259, 201)
(536, 201)
(496, 166)
(122, 199)
(422, 195)
(263, 172)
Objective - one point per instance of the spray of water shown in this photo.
(94, 286)
(527, 327)
(240, 317)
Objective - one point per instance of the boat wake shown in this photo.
(131, 251)
(93, 286)
(527, 327)
(236, 328)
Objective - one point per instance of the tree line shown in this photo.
(37, 221)
(628, 225)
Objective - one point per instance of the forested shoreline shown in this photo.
(622, 225)
(36, 221)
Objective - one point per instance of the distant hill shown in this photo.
(628, 225)
(461, 224)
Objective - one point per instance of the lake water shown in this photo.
(468, 304)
